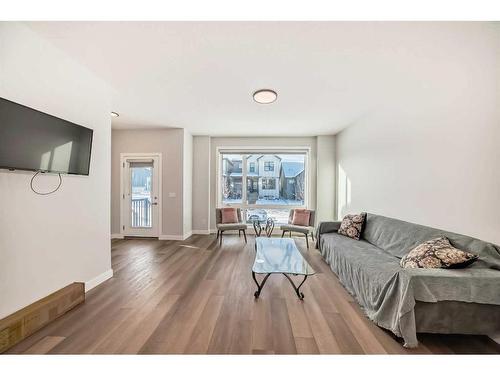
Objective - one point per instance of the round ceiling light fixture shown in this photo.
(114, 114)
(265, 96)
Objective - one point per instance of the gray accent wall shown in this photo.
(168, 142)
(187, 188)
(201, 184)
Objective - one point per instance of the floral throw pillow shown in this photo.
(352, 225)
(437, 253)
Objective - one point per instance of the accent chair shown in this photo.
(240, 226)
(304, 229)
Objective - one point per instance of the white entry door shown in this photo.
(141, 201)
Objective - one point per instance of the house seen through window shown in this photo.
(263, 185)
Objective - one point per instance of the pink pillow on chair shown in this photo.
(229, 215)
(301, 217)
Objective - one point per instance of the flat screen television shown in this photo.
(36, 141)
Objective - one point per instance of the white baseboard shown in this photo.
(201, 231)
(91, 284)
(171, 237)
(117, 236)
(175, 237)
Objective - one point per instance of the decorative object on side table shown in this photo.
(268, 229)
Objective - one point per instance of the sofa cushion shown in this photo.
(359, 252)
(352, 225)
(360, 261)
(398, 237)
(437, 253)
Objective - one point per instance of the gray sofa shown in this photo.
(407, 301)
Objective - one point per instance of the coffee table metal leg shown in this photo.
(297, 288)
(261, 285)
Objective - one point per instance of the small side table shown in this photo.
(268, 229)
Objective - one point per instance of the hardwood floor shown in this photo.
(196, 297)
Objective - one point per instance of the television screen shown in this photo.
(35, 141)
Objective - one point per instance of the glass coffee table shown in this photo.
(279, 255)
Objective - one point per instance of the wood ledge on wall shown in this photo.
(30, 319)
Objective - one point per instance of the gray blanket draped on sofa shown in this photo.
(370, 271)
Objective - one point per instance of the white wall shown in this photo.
(430, 155)
(201, 184)
(326, 178)
(187, 184)
(48, 242)
(168, 142)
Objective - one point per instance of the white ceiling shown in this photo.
(201, 75)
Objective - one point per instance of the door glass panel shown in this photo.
(141, 176)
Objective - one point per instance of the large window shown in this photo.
(263, 184)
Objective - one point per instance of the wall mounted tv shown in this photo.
(35, 141)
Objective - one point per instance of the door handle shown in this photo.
(154, 204)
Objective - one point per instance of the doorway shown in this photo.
(140, 195)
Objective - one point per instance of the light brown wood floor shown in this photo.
(196, 297)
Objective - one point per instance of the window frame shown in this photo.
(269, 166)
(266, 181)
(246, 151)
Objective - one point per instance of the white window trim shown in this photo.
(245, 150)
